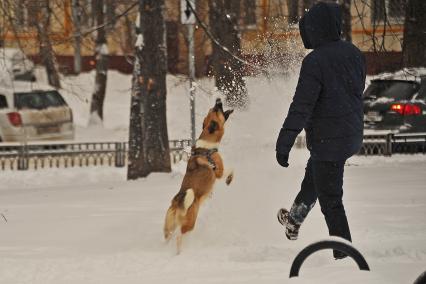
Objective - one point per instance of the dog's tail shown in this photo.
(180, 205)
(188, 200)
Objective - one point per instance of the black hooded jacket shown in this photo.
(328, 99)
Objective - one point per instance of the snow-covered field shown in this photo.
(90, 225)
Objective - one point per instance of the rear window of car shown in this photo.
(399, 90)
(38, 100)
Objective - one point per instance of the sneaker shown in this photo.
(291, 228)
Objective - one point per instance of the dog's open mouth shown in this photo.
(218, 107)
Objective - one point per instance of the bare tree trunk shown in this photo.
(101, 55)
(347, 19)
(137, 164)
(2, 27)
(414, 45)
(293, 11)
(385, 19)
(76, 18)
(228, 71)
(148, 138)
(127, 43)
(46, 50)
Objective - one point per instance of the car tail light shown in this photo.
(398, 108)
(412, 110)
(406, 109)
(15, 118)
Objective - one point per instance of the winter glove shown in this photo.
(282, 159)
(283, 147)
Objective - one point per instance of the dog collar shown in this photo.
(205, 153)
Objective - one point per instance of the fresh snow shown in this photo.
(90, 225)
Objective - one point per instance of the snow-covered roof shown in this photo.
(8, 52)
(11, 56)
(24, 87)
(408, 74)
(13, 61)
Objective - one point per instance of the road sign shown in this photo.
(186, 15)
(191, 64)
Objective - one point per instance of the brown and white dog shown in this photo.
(204, 166)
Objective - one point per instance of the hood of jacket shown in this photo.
(321, 24)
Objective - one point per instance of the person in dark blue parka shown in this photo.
(328, 105)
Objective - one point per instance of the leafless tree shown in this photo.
(347, 19)
(224, 23)
(101, 55)
(46, 49)
(76, 18)
(148, 137)
(293, 11)
(414, 45)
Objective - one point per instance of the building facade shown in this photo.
(267, 26)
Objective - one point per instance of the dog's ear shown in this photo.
(228, 113)
(213, 126)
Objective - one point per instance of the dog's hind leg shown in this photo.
(170, 223)
(179, 243)
(180, 204)
(188, 223)
(191, 216)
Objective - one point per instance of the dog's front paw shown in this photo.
(229, 178)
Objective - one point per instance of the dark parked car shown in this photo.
(396, 105)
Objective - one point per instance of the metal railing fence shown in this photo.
(16, 156)
(386, 144)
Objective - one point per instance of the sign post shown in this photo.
(188, 19)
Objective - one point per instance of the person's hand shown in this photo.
(282, 159)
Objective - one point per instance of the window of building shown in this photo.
(393, 10)
(293, 12)
(249, 13)
(110, 7)
(26, 13)
(87, 11)
(3, 102)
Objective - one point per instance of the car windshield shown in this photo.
(38, 100)
(399, 90)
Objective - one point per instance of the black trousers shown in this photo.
(323, 181)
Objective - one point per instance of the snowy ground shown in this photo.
(89, 225)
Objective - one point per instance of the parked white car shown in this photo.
(15, 65)
(30, 112)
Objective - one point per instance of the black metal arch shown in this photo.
(421, 279)
(329, 244)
